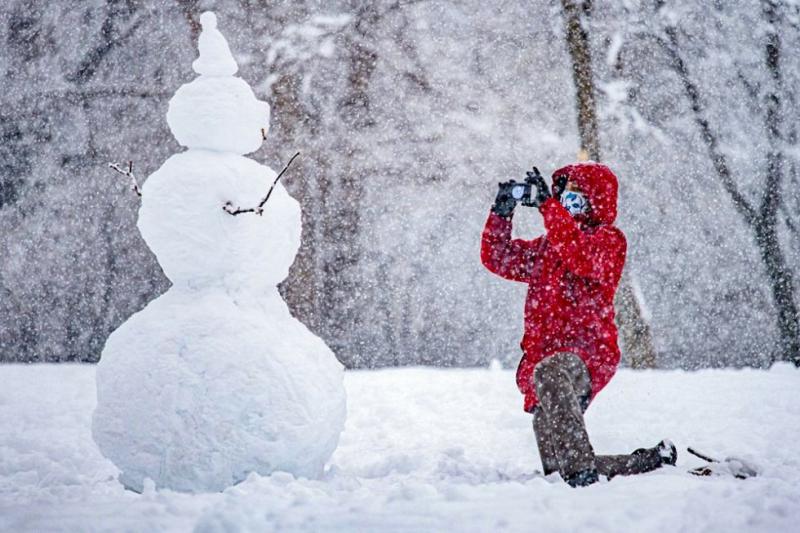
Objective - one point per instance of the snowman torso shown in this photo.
(197, 243)
(215, 378)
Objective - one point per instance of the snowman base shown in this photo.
(177, 406)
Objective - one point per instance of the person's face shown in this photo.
(571, 186)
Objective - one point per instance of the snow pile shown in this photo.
(215, 379)
(429, 450)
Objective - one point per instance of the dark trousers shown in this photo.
(563, 386)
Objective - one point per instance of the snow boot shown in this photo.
(668, 452)
(649, 459)
(582, 478)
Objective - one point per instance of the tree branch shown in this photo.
(702, 456)
(259, 210)
(111, 37)
(752, 88)
(129, 172)
(717, 157)
(772, 116)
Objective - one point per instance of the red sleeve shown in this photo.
(599, 256)
(509, 258)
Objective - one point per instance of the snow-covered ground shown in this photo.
(429, 450)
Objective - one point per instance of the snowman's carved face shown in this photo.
(197, 243)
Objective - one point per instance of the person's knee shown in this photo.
(547, 379)
(551, 368)
(545, 370)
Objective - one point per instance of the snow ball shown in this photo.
(783, 367)
(208, 20)
(221, 114)
(178, 405)
(198, 243)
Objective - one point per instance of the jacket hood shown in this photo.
(599, 185)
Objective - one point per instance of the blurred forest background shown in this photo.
(407, 114)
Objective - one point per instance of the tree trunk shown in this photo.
(780, 276)
(578, 45)
(301, 289)
(782, 287)
(637, 341)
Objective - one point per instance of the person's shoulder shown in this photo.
(612, 233)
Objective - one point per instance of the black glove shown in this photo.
(504, 203)
(539, 190)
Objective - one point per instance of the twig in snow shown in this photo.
(259, 210)
(134, 183)
(701, 456)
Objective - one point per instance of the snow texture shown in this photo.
(215, 378)
(429, 450)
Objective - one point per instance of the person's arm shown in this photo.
(509, 258)
(598, 256)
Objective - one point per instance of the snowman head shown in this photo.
(217, 111)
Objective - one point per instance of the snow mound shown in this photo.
(197, 401)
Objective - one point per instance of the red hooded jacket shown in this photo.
(572, 274)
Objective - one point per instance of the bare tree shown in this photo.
(70, 251)
(322, 288)
(761, 217)
(327, 286)
(637, 341)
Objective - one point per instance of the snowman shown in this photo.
(215, 379)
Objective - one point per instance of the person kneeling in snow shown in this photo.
(569, 347)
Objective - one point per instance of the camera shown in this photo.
(522, 191)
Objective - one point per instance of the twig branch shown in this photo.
(129, 172)
(259, 210)
(701, 456)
